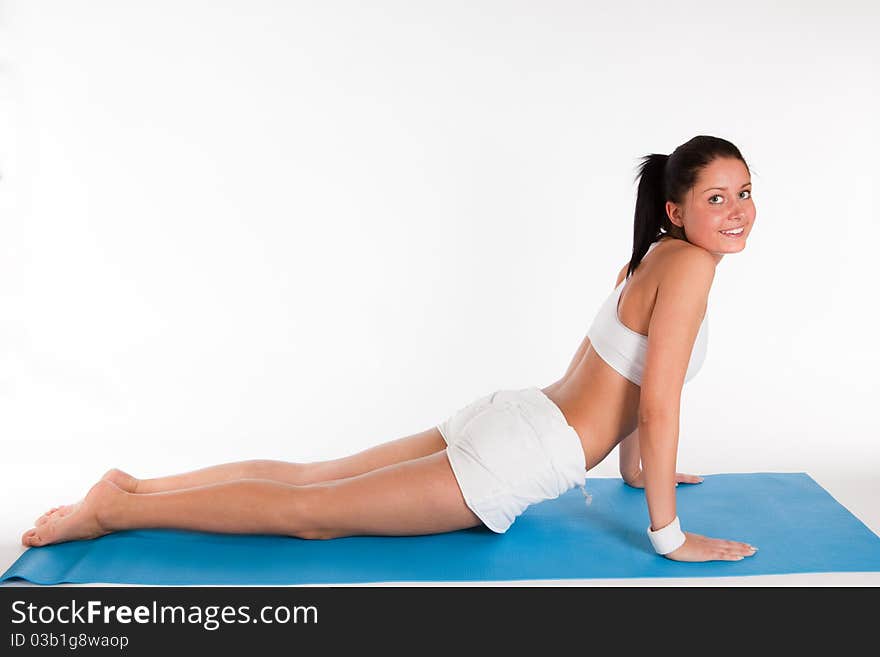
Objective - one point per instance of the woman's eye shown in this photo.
(745, 191)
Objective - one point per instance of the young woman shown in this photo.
(512, 448)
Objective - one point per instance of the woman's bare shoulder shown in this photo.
(677, 257)
(681, 262)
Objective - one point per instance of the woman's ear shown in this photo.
(673, 211)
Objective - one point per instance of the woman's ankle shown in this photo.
(110, 505)
(123, 480)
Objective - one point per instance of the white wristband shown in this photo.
(668, 538)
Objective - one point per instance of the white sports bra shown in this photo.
(624, 349)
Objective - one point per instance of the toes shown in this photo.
(43, 518)
(56, 512)
(44, 534)
(32, 538)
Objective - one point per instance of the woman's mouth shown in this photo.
(734, 232)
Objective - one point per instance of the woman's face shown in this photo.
(720, 201)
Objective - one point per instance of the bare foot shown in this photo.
(83, 520)
(122, 479)
(56, 511)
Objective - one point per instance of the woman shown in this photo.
(494, 457)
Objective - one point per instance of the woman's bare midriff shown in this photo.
(598, 402)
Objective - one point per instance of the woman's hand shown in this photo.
(703, 548)
(680, 478)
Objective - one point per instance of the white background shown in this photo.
(296, 230)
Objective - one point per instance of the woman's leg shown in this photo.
(414, 497)
(395, 451)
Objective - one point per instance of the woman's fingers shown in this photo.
(738, 546)
(738, 550)
(702, 548)
(680, 478)
(731, 549)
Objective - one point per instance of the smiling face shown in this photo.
(720, 201)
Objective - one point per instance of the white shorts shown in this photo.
(511, 449)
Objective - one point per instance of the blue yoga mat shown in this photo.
(796, 524)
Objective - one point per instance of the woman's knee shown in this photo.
(309, 515)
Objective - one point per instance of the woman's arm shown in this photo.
(631, 464)
(630, 457)
(682, 297)
(679, 308)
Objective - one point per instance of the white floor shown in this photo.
(858, 493)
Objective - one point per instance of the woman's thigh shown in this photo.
(412, 497)
(424, 443)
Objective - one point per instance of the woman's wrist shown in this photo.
(667, 539)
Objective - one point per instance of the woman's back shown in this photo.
(626, 349)
(600, 395)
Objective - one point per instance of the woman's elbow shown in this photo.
(659, 404)
(658, 415)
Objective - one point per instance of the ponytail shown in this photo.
(650, 207)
